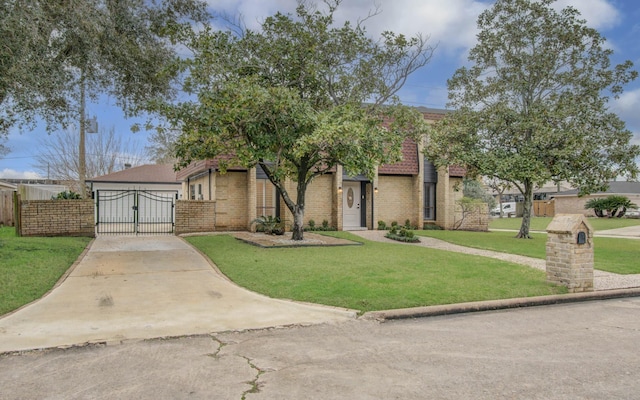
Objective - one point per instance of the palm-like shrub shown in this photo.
(611, 206)
(269, 224)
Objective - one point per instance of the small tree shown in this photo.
(472, 188)
(467, 206)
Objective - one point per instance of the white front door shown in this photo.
(351, 199)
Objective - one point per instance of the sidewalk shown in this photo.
(147, 287)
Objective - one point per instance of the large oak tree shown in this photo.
(57, 54)
(291, 97)
(533, 105)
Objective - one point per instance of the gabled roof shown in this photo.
(150, 173)
(615, 187)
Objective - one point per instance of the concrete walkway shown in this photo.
(602, 280)
(147, 287)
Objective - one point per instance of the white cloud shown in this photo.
(9, 173)
(599, 14)
(627, 106)
(452, 23)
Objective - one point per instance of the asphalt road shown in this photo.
(587, 350)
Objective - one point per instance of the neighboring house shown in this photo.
(7, 186)
(136, 199)
(152, 177)
(569, 202)
(409, 190)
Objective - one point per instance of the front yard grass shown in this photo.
(30, 266)
(615, 255)
(540, 223)
(374, 276)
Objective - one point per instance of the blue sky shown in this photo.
(450, 24)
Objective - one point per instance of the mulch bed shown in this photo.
(275, 241)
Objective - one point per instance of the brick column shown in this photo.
(570, 252)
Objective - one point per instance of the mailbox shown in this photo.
(582, 237)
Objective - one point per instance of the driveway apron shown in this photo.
(147, 287)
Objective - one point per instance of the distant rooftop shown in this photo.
(615, 187)
(150, 173)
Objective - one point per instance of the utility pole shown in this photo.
(92, 128)
(82, 162)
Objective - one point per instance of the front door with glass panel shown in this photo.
(351, 199)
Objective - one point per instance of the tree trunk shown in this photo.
(297, 209)
(298, 227)
(526, 212)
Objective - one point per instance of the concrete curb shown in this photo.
(491, 305)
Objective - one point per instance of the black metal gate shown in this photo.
(139, 212)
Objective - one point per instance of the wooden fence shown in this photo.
(543, 208)
(7, 214)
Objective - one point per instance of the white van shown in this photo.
(508, 209)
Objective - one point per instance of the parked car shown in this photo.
(632, 213)
(508, 209)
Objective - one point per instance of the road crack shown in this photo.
(254, 384)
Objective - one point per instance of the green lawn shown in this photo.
(540, 223)
(374, 276)
(30, 266)
(610, 254)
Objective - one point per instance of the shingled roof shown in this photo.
(150, 173)
(409, 164)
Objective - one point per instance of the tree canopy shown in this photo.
(50, 50)
(533, 105)
(291, 98)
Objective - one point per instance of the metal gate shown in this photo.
(139, 212)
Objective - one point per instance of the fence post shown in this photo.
(17, 209)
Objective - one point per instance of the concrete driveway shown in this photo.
(147, 287)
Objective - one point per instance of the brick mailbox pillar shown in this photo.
(570, 252)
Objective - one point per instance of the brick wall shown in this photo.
(57, 218)
(195, 216)
(396, 200)
(476, 218)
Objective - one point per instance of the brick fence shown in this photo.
(195, 216)
(56, 218)
(475, 217)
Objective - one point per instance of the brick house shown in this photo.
(409, 190)
(570, 202)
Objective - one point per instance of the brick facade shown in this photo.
(396, 200)
(232, 202)
(57, 218)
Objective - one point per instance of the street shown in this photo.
(586, 350)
